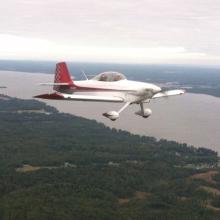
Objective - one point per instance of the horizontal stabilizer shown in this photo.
(55, 96)
(54, 84)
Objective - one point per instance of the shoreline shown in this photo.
(179, 119)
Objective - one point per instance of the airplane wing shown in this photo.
(75, 97)
(168, 93)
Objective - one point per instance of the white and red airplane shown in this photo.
(105, 87)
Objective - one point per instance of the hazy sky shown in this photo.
(142, 31)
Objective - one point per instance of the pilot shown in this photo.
(103, 77)
(117, 77)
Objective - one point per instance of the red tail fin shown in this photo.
(62, 76)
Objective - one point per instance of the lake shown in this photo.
(191, 118)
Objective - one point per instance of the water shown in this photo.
(191, 118)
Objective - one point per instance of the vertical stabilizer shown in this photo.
(62, 76)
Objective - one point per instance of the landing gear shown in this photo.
(144, 112)
(113, 115)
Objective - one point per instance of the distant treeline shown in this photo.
(202, 79)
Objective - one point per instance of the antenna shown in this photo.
(84, 74)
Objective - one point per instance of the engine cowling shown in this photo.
(147, 112)
(113, 115)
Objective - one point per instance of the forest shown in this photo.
(56, 166)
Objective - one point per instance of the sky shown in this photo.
(122, 31)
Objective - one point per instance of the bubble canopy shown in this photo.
(109, 77)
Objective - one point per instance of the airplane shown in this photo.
(105, 87)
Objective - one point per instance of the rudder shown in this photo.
(62, 76)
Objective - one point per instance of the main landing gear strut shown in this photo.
(113, 115)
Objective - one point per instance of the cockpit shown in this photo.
(109, 77)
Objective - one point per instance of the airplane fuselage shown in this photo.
(129, 91)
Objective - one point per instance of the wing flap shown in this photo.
(63, 96)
